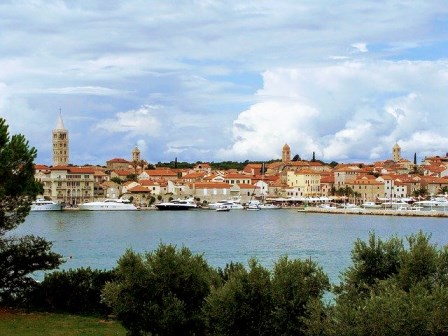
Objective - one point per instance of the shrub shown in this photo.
(73, 291)
(162, 292)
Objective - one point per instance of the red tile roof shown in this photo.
(118, 160)
(138, 189)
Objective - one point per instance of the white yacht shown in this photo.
(257, 205)
(370, 205)
(108, 205)
(439, 202)
(41, 204)
(178, 204)
(224, 208)
(395, 205)
(348, 206)
(269, 206)
(233, 205)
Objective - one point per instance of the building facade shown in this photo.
(70, 185)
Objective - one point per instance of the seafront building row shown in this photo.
(286, 178)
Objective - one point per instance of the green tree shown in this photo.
(295, 284)
(162, 292)
(116, 180)
(391, 289)
(260, 302)
(422, 192)
(444, 190)
(19, 256)
(372, 261)
(242, 305)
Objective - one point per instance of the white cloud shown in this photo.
(85, 90)
(134, 122)
(352, 110)
(360, 47)
(201, 62)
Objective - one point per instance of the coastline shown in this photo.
(356, 211)
(378, 212)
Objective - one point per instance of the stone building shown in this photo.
(396, 153)
(286, 154)
(60, 144)
(70, 185)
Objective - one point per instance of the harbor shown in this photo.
(97, 239)
(376, 212)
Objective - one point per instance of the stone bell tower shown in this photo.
(286, 154)
(136, 155)
(396, 153)
(60, 144)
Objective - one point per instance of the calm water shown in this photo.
(98, 239)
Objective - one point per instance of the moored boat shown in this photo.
(224, 208)
(178, 204)
(41, 204)
(108, 205)
(370, 205)
(433, 203)
(234, 205)
(269, 206)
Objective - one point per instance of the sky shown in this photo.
(230, 80)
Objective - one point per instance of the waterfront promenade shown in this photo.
(379, 212)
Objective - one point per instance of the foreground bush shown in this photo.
(74, 291)
(391, 289)
(162, 292)
(256, 302)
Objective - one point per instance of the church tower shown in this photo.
(286, 154)
(136, 155)
(60, 144)
(396, 153)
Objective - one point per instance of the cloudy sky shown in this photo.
(227, 80)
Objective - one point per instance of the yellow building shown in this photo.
(306, 182)
(368, 188)
(70, 185)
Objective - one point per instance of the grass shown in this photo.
(17, 323)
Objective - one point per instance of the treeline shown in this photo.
(224, 165)
(393, 287)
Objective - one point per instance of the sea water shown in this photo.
(97, 239)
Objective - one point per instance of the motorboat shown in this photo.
(412, 208)
(41, 204)
(257, 205)
(348, 206)
(327, 206)
(433, 203)
(224, 208)
(370, 205)
(178, 204)
(395, 205)
(253, 205)
(234, 205)
(108, 205)
(269, 206)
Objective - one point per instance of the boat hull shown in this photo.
(86, 207)
(44, 205)
(173, 207)
(107, 205)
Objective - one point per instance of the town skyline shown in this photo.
(211, 81)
